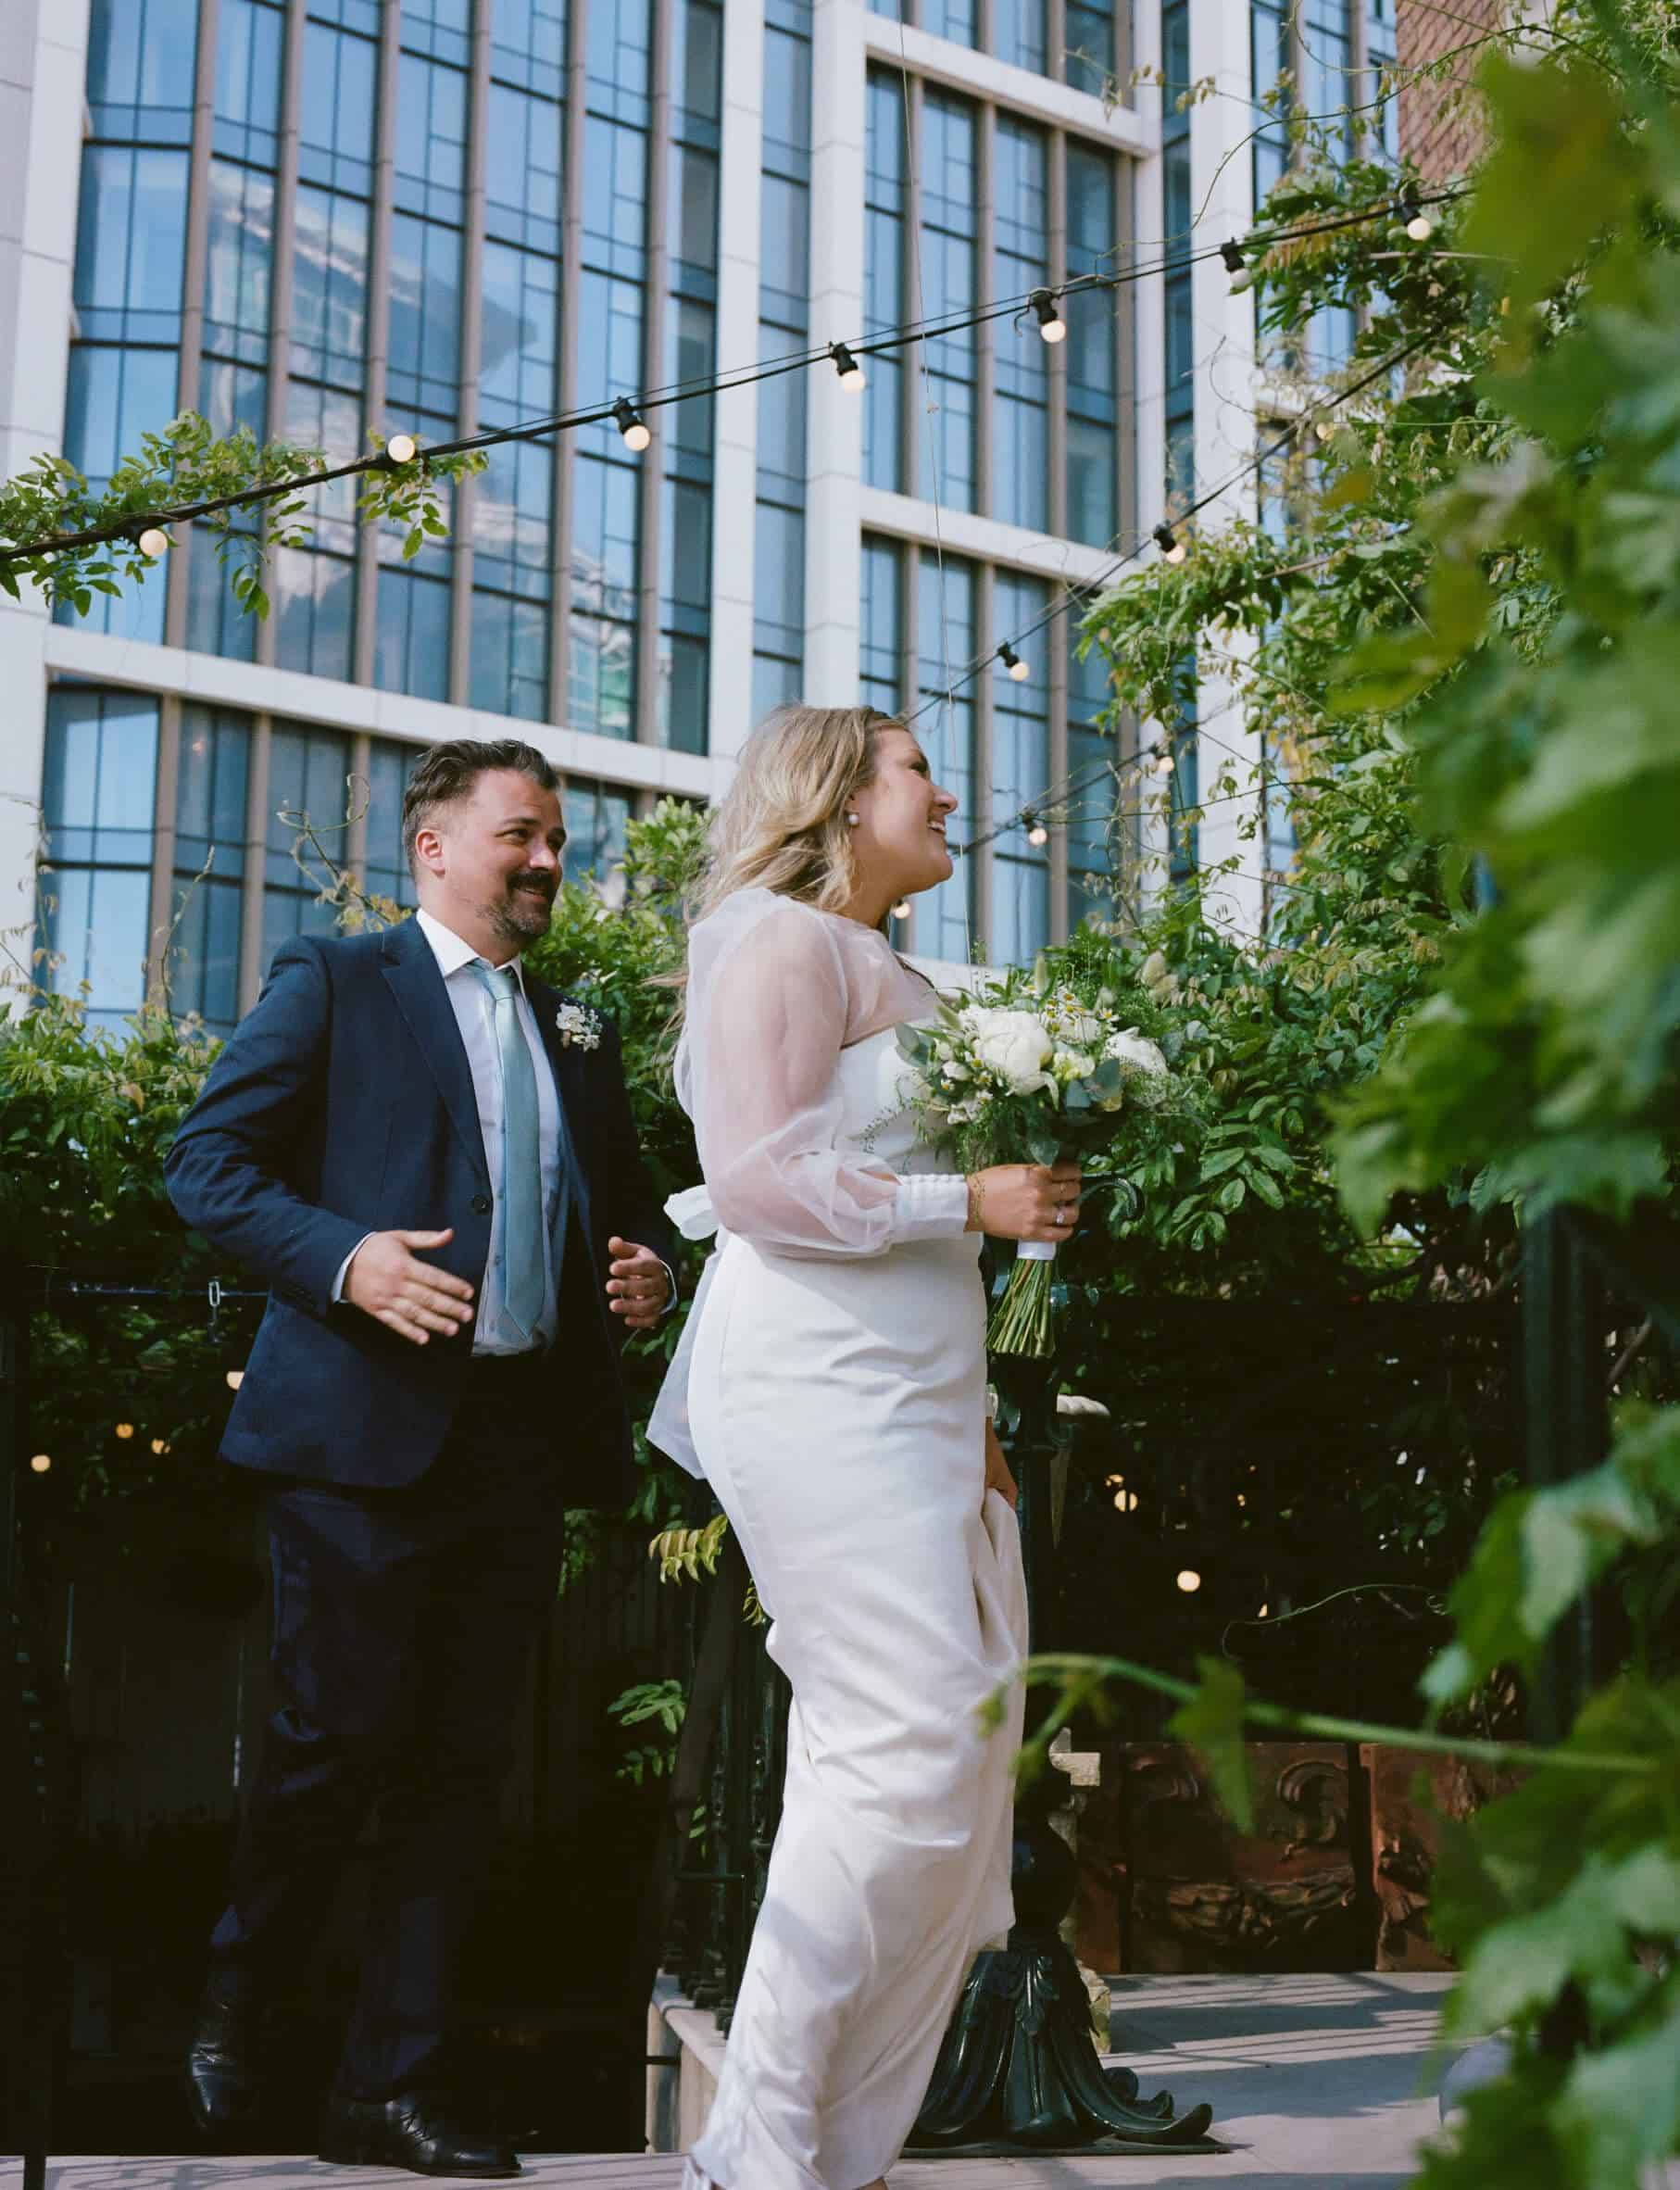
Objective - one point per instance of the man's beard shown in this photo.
(523, 914)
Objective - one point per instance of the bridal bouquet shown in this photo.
(1032, 1070)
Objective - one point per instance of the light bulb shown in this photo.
(1232, 253)
(1420, 228)
(1051, 324)
(1189, 1580)
(1163, 763)
(154, 542)
(160, 1445)
(848, 367)
(235, 1379)
(40, 1463)
(902, 910)
(1323, 429)
(1038, 834)
(400, 448)
(629, 423)
(1012, 660)
(125, 1430)
(1171, 547)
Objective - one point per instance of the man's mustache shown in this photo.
(537, 883)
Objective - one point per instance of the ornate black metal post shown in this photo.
(1017, 2070)
(1567, 1426)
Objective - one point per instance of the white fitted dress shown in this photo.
(831, 1387)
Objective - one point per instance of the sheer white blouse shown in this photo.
(776, 991)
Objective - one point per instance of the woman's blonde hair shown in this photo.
(782, 824)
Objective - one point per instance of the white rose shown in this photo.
(1133, 1050)
(1015, 1046)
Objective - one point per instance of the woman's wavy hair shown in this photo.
(782, 824)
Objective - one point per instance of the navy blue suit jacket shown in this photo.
(343, 1104)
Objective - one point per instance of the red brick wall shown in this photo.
(1440, 127)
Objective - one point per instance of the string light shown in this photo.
(1418, 226)
(154, 542)
(40, 1463)
(1232, 253)
(235, 1379)
(125, 1430)
(902, 910)
(160, 1445)
(401, 448)
(848, 367)
(1164, 762)
(1012, 660)
(1036, 832)
(1051, 324)
(1172, 548)
(1323, 429)
(631, 424)
(1189, 1580)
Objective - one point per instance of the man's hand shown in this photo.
(998, 1476)
(387, 1280)
(639, 1286)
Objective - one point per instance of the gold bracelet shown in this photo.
(976, 1201)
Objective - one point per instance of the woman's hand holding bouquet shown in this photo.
(1022, 1083)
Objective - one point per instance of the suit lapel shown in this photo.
(418, 985)
(565, 1063)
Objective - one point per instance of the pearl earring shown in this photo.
(853, 819)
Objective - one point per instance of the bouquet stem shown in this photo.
(1023, 1322)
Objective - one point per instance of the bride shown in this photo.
(831, 1386)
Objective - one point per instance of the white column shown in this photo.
(1227, 432)
(43, 61)
(734, 475)
(833, 528)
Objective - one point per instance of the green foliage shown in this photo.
(664, 1702)
(49, 504)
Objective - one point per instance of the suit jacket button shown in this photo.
(480, 1205)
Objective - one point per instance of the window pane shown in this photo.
(131, 246)
(1018, 32)
(389, 768)
(883, 633)
(951, 19)
(884, 277)
(330, 288)
(948, 277)
(250, 37)
(140, 62)
(1090, 48)
(944, 644)
(97, 794)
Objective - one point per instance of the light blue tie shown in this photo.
(524, 1277)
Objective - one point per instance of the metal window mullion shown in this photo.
(472, 345)
(1122, 50)
(986, 392)
(981, 774)
(1124, 201)
(257, 860)
(379, 328)
(914, 354)
(650, 485)
(1056, 41)
(159, 911)
(1057, 242)
(283, 271)
(189, 362)
(985, 26)
(572, 285)
(1056, 672)
(361, 797)
(910, 671)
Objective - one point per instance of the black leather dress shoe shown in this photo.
(224, 2088)
(411, 2131)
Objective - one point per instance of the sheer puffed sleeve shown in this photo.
(773, 1000)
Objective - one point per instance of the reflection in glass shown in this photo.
(885, 288)
(1020, 776)
(944, 644)
(882, 655)
(140, 61)
(1020, 416)
(949, 185)
(1018, 33)
(97, 803)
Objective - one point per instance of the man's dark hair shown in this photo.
(448, 772)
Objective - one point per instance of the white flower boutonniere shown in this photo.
(579, 1024)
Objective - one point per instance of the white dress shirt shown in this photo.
(474, 1011)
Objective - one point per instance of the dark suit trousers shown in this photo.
(402, 1625)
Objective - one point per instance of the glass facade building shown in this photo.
(326, 221)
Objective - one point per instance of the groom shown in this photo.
(429, 1156)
